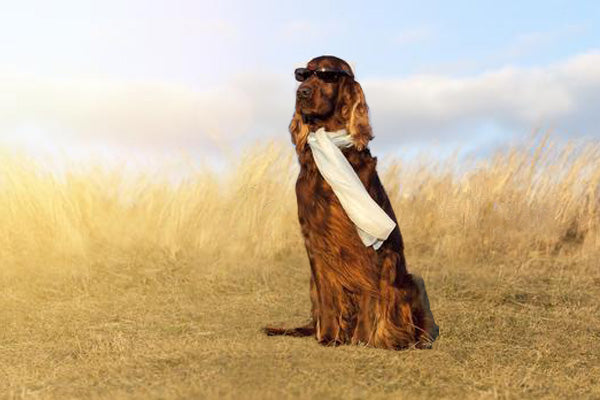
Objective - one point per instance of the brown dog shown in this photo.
(359, 295)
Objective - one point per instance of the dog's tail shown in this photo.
(301, 331)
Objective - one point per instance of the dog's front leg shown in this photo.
(326, 296)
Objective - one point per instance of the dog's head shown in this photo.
(329, 97)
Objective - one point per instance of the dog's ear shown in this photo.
(355, 112)
(298, 131)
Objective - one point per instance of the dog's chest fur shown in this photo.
(328, 232)
(315, 196)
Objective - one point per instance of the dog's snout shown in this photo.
(304, 92)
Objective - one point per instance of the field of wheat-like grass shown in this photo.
(130, 285)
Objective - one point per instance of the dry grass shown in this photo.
(122, 286)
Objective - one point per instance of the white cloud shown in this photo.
(564, 96)
(561, 96)
(125, 113)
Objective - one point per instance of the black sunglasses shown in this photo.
(326, 75)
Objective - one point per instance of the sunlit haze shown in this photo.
(153, 79)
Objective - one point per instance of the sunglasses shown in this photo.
(326, 75)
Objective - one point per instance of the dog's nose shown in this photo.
(305, 92)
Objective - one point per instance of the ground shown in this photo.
(136, 288)
(180, 331)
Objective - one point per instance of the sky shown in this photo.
(152, 78)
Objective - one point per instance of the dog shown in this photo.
(360, 294)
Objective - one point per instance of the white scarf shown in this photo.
(372, 223)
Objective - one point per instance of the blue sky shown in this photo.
(200, 76)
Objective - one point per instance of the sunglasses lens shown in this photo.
(302, 74)
(328, 76)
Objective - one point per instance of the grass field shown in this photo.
(120, 285)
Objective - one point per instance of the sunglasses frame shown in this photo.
(324, 74)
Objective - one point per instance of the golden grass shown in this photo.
(122, 285)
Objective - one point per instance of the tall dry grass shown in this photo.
(131, 285)
(520, 203)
